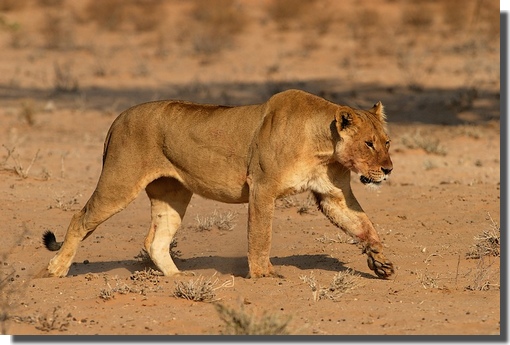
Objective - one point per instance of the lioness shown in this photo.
(292, 143)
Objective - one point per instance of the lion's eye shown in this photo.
(369, 144)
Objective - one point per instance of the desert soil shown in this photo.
(66, 73)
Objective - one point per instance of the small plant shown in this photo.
(417, 16)
(53, 322)
(111, 15)
(65, 80)
(57, 30)
(340, 238)
(287, 202)
(27, 112)
(11, 5)
(287, 12)
(487, 246)
(343, 282)
(239, 322)
(214, 26)
(65, 203)
(428, 281)
(426, 143)
(483, 272)
(429, 165)
(200, 290)
(221, 221)
(307, 206)
(143, 282)
(7, 275)
(488, 243)
(304, 207)
(18, 168)
(110, 291)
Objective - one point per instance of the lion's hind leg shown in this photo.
(169, 200)
(114, 191)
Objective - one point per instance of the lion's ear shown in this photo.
(344, 119)
(378, 110)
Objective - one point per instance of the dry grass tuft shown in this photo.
(113, 15)
(424, 142)
(303, 207)
(417, 16)
(288, 12)
(65, 79)
(221, 221)
(342, 283)
(18, 167)
(239, 322)
(213, 27)
(11, 5)
(488, 243)
(57, 30)
(53, 322)
(487, 247)
(66, 203)
(143, 282)
(200, 289)
(429, 282)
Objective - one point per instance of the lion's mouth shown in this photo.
(368, 180)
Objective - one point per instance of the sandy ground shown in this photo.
(66, 75)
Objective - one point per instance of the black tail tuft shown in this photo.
(50, 242)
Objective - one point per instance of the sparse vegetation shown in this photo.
(113, 15)
(486, 247)
(339, 238)
(240, 322)
(65, 79)
(342, 283)
(288, 12)
(222, 221)
(427, 143)
(57, 30)
(213, 27)
(417, 15)
(200, 289)
(27, 112)
(11, 5)
(487, 243)
(303, 207)
(7, 274)
(54, 321)
(18, 167)
(429, 165)
(143, 282)
(428, 281)
(66, 203)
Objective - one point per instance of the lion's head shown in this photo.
(363, 143)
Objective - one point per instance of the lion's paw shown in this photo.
(378, 263)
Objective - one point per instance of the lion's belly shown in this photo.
(228, 188)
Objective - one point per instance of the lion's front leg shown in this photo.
(348, 215)
(260, 217)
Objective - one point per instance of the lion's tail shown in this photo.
(106, 144)
(50, 241)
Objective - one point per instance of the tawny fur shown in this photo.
(251, 154)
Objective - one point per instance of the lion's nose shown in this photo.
(387, 171)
